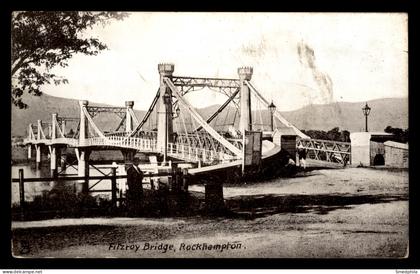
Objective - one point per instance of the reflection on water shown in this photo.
(33, 189)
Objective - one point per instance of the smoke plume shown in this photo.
(323, 80)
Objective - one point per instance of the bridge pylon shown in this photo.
(245, 122)
(165, 125)
(38, 157)
(82, 155)
(128, 119)
(83, 131)
(53, 148)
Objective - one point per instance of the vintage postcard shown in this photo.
(209, 135)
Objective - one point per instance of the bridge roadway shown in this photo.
(144, 145)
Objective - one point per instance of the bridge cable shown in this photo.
(234, 117)
(133, 116)
(31, 132)
(221, 108)
(42, 131)
(216, 124)
(92, 123)
(121, 123)
(185, 127)
(224, 121)
(196, 133)
(201, 121)
(276, 113)
(76, 133)
(176, 123)
(147, 115)
(258, 103)
(58, 127)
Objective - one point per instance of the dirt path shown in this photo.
(324, 213)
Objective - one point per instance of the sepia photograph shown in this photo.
(209, 135)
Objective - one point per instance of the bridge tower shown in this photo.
(83, 153)
(245, 122)
(127, 153)
(29, 145)
(54, 150)
(38, 146)
(128, 119)
(165, 126)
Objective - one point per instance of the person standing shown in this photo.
(302, 156)
(135, 188)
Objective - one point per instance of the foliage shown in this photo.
(400, 134)
(42, 40)
(334, 134)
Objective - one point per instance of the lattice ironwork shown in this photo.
(187, 84)
(94, 110)
(326, 150)
(224, 86)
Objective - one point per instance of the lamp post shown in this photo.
(272, 109)
(366, 111)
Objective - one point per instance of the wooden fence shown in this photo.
(178, 182)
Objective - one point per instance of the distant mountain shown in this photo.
(42, 107)
(385, 112)
(349, 116)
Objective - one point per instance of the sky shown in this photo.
(363, 56)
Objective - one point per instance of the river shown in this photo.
(33, 189)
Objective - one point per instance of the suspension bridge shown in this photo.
(173, 128)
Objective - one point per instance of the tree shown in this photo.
(334, 134)
(345, 136)
(399, 134)
(43, 40)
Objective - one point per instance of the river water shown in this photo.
(33, 189)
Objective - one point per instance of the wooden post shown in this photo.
(214, 197)
(185, 180)
(114, 186)
(175, 187)
(22, 194)
(152, 184)
(178, 179)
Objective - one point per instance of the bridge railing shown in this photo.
(183, 151)
(143, 144)
(67, 141)
(197, 154)
(327, 150)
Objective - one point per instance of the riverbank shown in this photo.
(345, 213)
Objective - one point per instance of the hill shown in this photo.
(42, 107)
(385, 112)
(349, 116)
